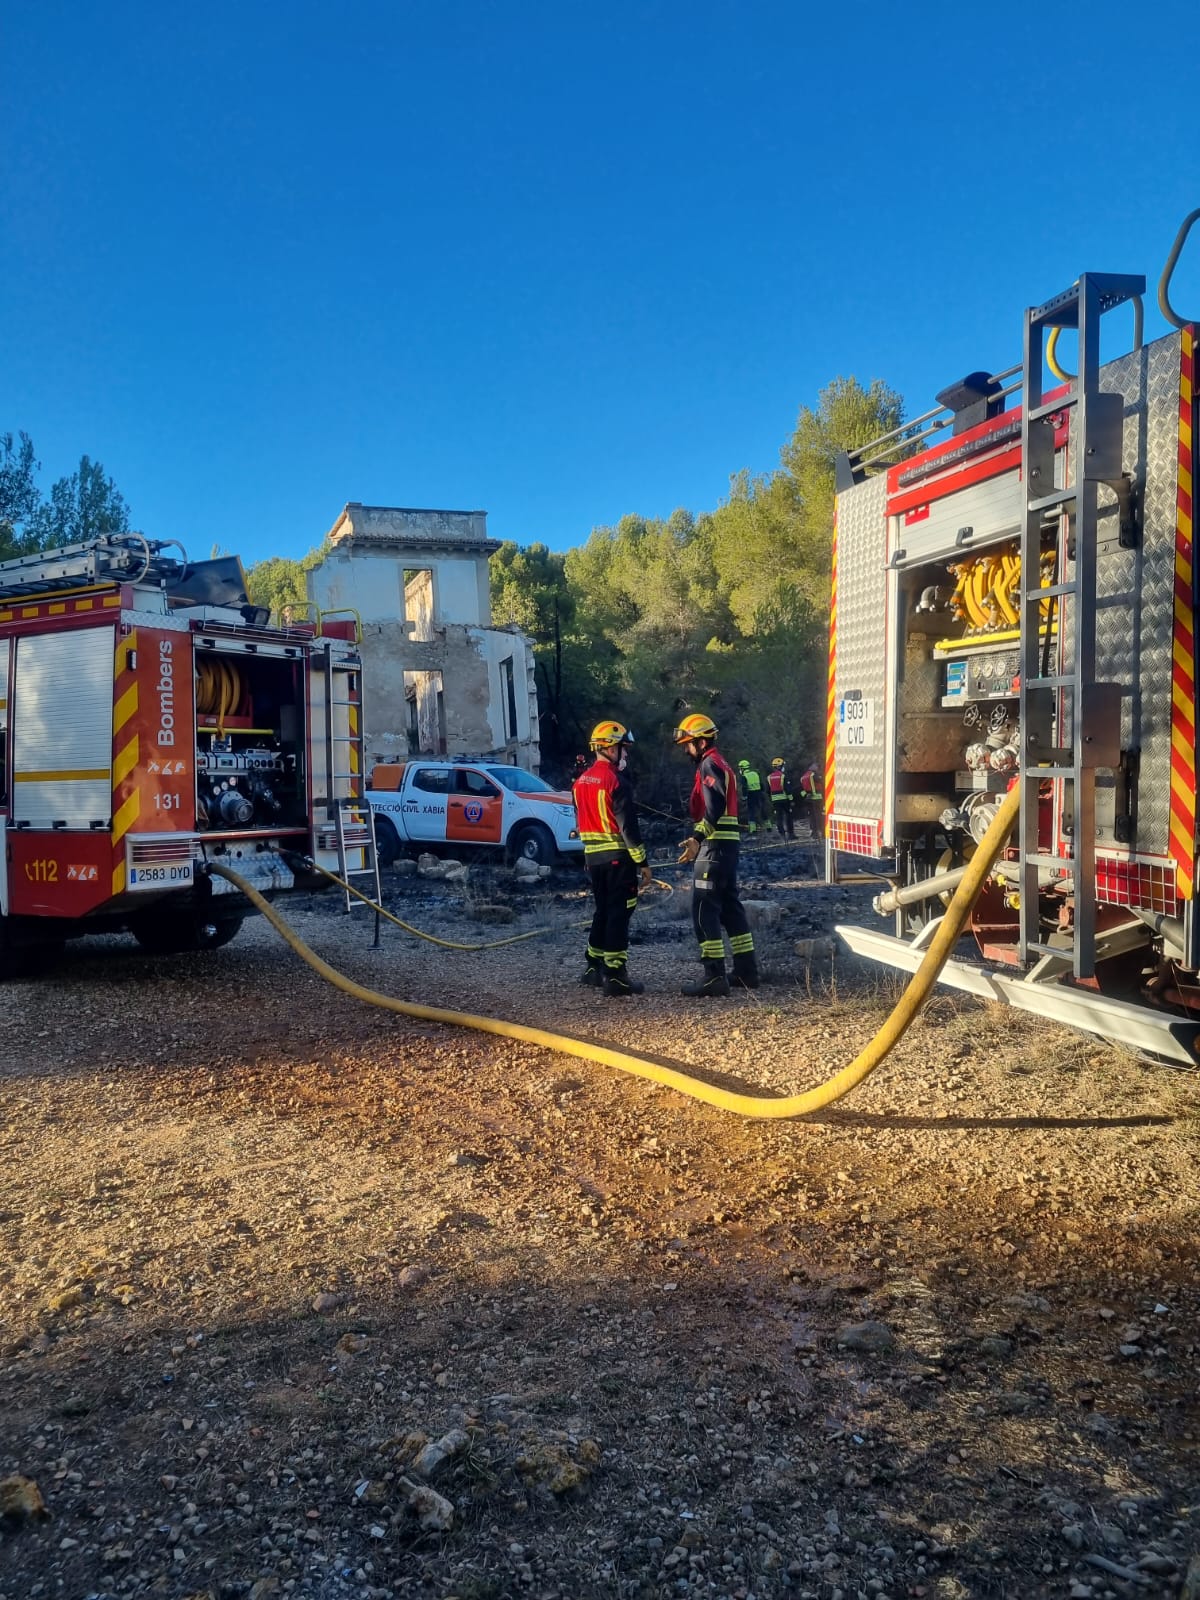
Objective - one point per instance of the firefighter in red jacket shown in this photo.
(615, 858)
(713, 849)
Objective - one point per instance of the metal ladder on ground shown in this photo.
(351, 814)
(1070, 724)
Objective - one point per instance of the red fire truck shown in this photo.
(150, 721)
(1015, 597)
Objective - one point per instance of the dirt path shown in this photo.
(261, 1244)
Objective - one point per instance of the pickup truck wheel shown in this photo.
(534, 842)
(387, 842)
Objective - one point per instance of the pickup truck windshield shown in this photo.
(520, 781)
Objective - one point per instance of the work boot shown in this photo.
(618, 984)
(745, 972)
(713, 983)
(592, 976)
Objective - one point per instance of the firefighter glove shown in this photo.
(690, 849)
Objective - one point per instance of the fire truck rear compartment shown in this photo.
(250, 742)
(1073, 681)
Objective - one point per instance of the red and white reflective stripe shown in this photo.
(1182, 839)
(831, 684)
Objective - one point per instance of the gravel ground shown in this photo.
(303, 1298)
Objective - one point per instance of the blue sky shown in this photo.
(557, 261)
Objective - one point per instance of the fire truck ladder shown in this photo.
(117, 558)
(351, 814)
(1070, 724)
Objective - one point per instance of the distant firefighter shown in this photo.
(813, 800)
(752, 795)
(779, 787)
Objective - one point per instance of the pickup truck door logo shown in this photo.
(476, 818)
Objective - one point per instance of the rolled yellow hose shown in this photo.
(1002, 582)
(901, 1019)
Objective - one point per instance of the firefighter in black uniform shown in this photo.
(779, 787)
(713, 849)
(615, 858)
(813, 801)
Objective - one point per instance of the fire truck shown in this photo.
(152, 721)
(1014, 604)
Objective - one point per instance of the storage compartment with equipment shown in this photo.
(250, 740)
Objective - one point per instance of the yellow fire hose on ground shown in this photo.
(743, 1105)
(451, 944)
(431, 938)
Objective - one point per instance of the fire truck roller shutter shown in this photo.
(5, 650)
(62, 719)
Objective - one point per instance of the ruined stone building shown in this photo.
(438, 678)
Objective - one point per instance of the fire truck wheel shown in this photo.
(165, 935)
(387, 842)
(212, 935)
(23, 955)
(534, 842)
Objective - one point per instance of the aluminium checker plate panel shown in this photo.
(862, 644)
(1135, 588)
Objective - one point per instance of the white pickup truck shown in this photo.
(424, 804)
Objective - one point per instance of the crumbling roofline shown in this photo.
(351, 506)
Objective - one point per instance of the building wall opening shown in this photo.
(508, 697)
(426, 707)
(419, 608)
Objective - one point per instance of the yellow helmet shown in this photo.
(606, 734)
(697, 726)
(777, 762)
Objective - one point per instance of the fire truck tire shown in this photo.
(25, 956)
(387, 842)
(534, 842)
(212, 935)
(168, 934)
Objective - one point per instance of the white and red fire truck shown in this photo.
(151, 721)
(1029, 547)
